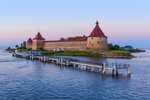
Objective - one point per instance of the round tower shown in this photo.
(97, 41)
(29, 44)
(38, 42)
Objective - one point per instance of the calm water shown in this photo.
(22, 79)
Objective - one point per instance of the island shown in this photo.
(115, 51)
(94, 45)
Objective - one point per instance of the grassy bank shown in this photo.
(11, 50)
(108, 54)
(73, 53)
(118, 54)
(136, 50)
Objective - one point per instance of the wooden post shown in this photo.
(114, 71)
(61, 61)
(104, 69)
(67, 63)
(93, 69)
(32, 57)
(74, 65)
(84, 67)
(129, 72)
(41, 59)
(57, 61)
(44, 59)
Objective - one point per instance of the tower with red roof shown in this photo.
(29, 43)
(38, 42)
(97, 40)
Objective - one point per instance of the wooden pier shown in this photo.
(102, 68)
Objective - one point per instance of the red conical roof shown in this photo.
(38, 37)
(97, 32)
(29, 40)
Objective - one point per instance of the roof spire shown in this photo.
(97, 23)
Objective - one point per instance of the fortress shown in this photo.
(96, 42)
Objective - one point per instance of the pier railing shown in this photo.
(117, 65)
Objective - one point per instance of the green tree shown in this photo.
(116, 47)
(17, 46)
(8, 48)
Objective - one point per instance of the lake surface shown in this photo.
(22, 79)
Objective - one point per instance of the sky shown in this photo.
(125, 22)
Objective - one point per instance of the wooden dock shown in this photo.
(102, 68)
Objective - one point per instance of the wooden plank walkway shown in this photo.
(80, 64)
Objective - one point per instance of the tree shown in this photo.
(116, 47)
(17, 46)
(24, 43)
(21, 44)
(8, 48)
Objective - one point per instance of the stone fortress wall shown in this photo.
(67, 45)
